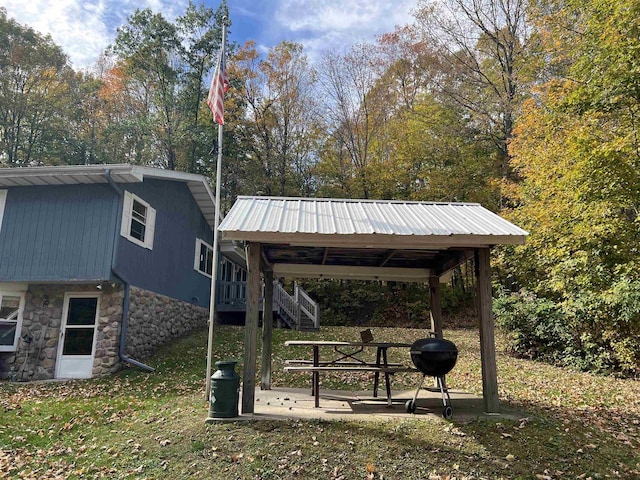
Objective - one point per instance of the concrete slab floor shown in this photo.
(296, 403)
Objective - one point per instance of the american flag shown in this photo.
(219, 85)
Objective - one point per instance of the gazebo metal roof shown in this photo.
(365, 239)
(461, 222)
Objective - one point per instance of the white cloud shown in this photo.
(334, 24)
(354, 15)
(82, 28)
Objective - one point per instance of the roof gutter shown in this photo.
(127, 290)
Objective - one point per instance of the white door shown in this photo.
(77, 344)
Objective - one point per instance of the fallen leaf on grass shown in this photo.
(236, 457)
(455, 431)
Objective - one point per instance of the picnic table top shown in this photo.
(338, 343)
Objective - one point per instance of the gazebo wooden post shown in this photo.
(435, 306)
(251, 328)
(435, 311)
(487, 339)
(267, 330)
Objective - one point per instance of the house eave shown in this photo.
(120, 173)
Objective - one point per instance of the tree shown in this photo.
(433, 157)
(122, 133)
(485, 47)
(35, 100)
(201, 31)
(164, 67)
(280, 130)
(150, 48)
(576, 149)
(354, 116)
(428, 148)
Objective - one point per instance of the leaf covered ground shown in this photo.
(151, 425)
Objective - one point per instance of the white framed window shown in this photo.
(3, 201)
(138, 221)
(204, 258)
(11, 309)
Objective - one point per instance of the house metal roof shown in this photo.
(120, 173)
(330, 237)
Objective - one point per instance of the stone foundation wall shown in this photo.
(155, 320)
(42, 318)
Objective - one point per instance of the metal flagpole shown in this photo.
(214, 268)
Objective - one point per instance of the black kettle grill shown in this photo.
(434, 357)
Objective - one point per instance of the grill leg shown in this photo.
(415, 397)
(442, 391)
(410, 406)
(447, 411)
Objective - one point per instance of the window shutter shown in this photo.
(125, 228)
(150, 228)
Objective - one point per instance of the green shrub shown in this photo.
(609, 339)
(595, 331)
(536, 327)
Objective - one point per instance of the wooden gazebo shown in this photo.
(364, 240)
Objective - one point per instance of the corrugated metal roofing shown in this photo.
(323, 216)
(121, 173)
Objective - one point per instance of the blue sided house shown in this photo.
(99, 265)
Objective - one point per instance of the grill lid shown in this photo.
(434, 356)
(433, 345)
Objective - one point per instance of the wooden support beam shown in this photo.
(325, 255)
(266, 264)
(386, 258)
(487, 338)
(267, 330)
(435, 305)
(348, 272)
(251, 328)
(452, 259)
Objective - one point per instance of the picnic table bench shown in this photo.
(347, 357)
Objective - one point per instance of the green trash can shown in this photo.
(225, 385)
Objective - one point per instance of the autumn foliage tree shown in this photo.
(576, 149)
(279, 127)
(37, 93)
(486, 49)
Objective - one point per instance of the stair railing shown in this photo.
(306, 306)
(299, 307)
(285, 302)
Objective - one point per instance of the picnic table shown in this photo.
(345, 356)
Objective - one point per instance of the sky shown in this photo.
(84, 28)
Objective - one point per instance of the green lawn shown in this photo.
(151, 425)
